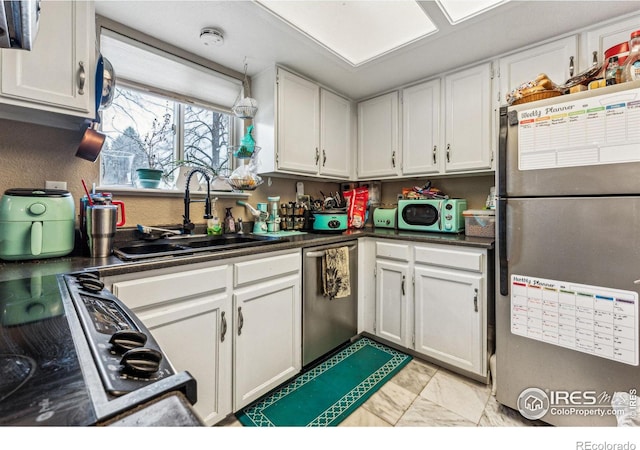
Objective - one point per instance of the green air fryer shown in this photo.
(36, 223)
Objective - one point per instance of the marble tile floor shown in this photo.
(425, 395)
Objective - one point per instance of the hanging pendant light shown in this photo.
(245, 108)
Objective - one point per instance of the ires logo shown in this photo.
(534, 403)
(577, 398)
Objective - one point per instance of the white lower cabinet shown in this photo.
(393, 296)
(268, 325)
(235, 327)
(188, 313)
(449, 317)
(432, 299)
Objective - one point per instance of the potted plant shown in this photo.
(157, 166)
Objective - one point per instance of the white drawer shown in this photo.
(470, 259)
(389, 250)
(261, 269)
(161, 288)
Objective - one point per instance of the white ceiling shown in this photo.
(254, 35)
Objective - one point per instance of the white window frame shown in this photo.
(237, 125)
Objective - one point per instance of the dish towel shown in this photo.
(336, 280)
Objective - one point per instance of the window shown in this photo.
(146, 130)
(171, 109)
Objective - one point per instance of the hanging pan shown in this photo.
(92, 140)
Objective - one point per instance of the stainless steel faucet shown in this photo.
(187, 225)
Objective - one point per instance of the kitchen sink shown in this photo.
(198, 243)
(188, 244)
(149, 248)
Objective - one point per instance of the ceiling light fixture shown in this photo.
(458, 11)
(357, 31)
(211, 37)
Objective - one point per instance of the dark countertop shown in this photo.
(114, 266)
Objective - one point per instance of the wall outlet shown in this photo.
(55, 185)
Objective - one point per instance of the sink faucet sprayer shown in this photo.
(187, 225)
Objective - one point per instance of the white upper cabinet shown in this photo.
(335, 135)
(421, 129)
(378, 137)
(468, 120)
(466, 146)
(557, 59)
(303, 128)
(58, 74)
(599, 40)
(298, 123)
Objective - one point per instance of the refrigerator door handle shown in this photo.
(502, 246)
(502, 152)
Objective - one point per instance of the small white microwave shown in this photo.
(439, 215)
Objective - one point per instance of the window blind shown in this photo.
(168, 74)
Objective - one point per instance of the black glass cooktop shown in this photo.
(41, 381)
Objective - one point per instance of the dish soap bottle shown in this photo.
(631, 68)
(229, 222)
(213, 225)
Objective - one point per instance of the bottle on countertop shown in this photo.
(631, 68)
(213, 225)
(229, 222)
(612, 75)
(239, 226)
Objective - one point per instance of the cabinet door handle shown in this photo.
(571, 67)
(82, 77)
(317, 156)
(393, 159)
(475, 300)
(240, 320)
(324, 157)
(434, 154)
(403, 279)
(224, 327)
(448, 152)
(595, 58)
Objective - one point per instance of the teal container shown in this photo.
(36, 224)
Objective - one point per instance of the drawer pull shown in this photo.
(240, 320)
(82, 77)
(571, 66)
(475, 300)
(224, 327)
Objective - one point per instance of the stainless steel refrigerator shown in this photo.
(568, 246)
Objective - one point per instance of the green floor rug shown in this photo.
(326, 394)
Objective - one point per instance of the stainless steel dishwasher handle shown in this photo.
(321, 254)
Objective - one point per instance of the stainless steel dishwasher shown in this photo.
(327, 323)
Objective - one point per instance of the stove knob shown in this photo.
(141, 362)
(91, 284)
(87, 276)
(124, 340)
